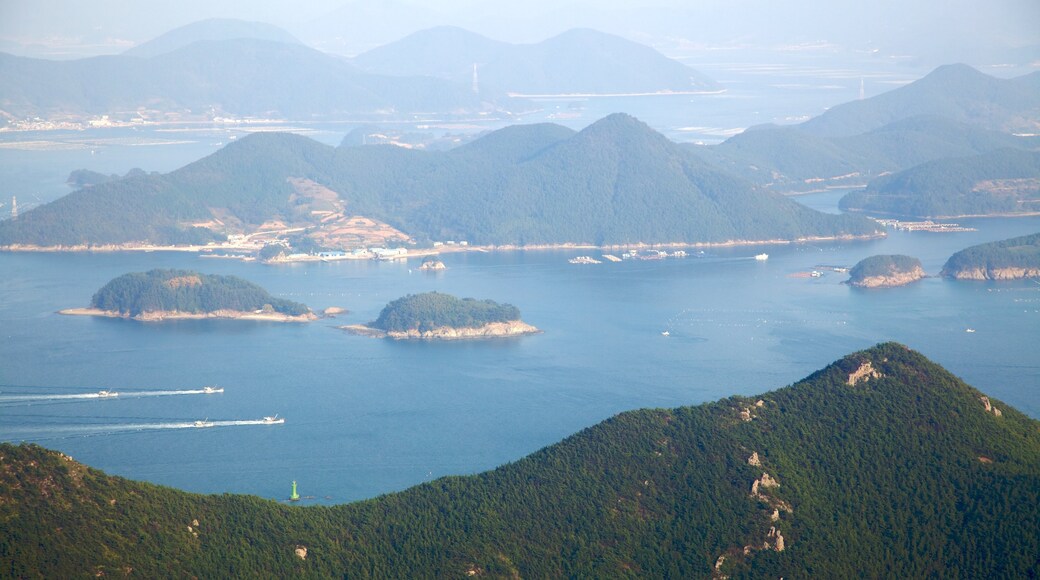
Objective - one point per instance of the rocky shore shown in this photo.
(890, 280)
(1009, 273)
(492, 330)
(160, 316)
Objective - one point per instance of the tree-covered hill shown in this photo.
(1005, 181)
(883, 464)
(186, 291)
(1005, 259)
(615, 182)
(886, 270)
(576, 61)
(432, 310)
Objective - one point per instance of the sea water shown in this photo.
(366, 416)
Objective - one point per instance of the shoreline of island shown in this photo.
(166, 315)
(506, 329)
(424, 252)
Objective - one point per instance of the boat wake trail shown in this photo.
(68, 431)
(98, 395)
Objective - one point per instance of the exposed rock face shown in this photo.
(753, 460)
(865, 372)
(990, 408)
(492, 330)
(890, 280)
(301, 552)
(993, 273)
(434, 265)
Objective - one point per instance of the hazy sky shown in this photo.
(957, 28)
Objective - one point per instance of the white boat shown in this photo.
(761, 257)
(273, 420)
(666, 333)
(211, 390)
(816, 274)
(201, 424)
(107, 394)
(969, 330)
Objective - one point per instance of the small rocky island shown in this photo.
(159, 295)
(432, 264)
(433, 315)
(1010, 259)
(886, 271)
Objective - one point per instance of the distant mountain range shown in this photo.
(577, 61)
(615, 182)
(956, 91)
(955, 111)
(233, 68)
(881, 465)
(235, 77)
(213, 29)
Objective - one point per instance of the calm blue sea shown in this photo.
(367, 416)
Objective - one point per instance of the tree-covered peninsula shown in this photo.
(171, 294)
(886, 271)
(881, 465)
(443, 316)
(1003, 260)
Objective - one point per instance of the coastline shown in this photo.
(492, 330)
(417, 253)
(160, 316)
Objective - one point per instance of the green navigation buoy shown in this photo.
(295, 496)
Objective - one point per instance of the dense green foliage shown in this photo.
(187, 291)
(1021, 252)
(883, 265)
(615, 182)
(432, 310)
(956, 187)
(905, 474)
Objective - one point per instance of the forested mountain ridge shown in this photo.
(882, 464)
(615, 182)
(1000, 182)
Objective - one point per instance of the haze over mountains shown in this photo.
(577, 61)
(955, 111)
(232, 68)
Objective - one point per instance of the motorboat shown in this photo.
(273, 420)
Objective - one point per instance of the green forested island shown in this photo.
(437, 315)
(1003, 260)
(1000, 182)
(882, 464)
(886, 271)
(615, 182)
(163, 294)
